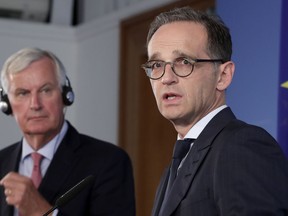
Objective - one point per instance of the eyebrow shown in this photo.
(41, 87)
(154, 56)
(176, 54)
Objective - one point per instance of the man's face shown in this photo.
(184, 100)
(36, 100)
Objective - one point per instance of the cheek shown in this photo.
(55, 107)
(19, 116)
(191, 91)
(19, 109)
(196, 93)
(154, 88)
(156, 93)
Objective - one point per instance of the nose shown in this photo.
(169, 76)
(35, 102)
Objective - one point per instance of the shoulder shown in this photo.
(7, 150)
(100, 145)
(239, 138)
(92, 147)
(237, 129)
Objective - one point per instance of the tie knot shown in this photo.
(181, 148)
(36, 158)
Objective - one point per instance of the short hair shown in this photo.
(23, 58)
(219, 43)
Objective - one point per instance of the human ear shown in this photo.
(225, 75)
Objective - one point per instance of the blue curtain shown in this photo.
(283, 81)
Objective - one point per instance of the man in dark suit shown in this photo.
(229, 167)
(35, 92)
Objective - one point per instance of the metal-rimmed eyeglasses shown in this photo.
(181, 66)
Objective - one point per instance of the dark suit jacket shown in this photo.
(78, 156)
(232, 169)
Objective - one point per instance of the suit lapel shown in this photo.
(60, 167)
(160, 193)
(185, 177)
(10, 164)
(194, 159)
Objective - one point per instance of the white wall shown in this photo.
(90, 53)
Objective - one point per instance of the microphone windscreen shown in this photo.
(70, 194)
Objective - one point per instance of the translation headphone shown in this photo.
(67, 93)
(4, 103)
(67, 97)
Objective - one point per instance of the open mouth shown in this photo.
(170, 96)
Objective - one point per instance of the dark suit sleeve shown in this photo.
(251, 176)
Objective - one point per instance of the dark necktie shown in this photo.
(181, 148)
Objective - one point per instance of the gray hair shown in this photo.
(23, 58)
(219, 39)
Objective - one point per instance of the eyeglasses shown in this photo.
(182, 67)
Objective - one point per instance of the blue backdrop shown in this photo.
(283, 81)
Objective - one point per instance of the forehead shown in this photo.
(178, 37)
(37, 73)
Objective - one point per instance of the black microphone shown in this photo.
(70, 194)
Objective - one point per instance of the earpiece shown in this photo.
(4, 103)
(67, 93)
(67, 96)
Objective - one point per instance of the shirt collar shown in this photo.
(48, 149)
(195, 131)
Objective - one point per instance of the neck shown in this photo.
(38, 141)
(183, 126)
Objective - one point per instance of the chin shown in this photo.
(170, 117)
(170, 112)
(37, 129)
